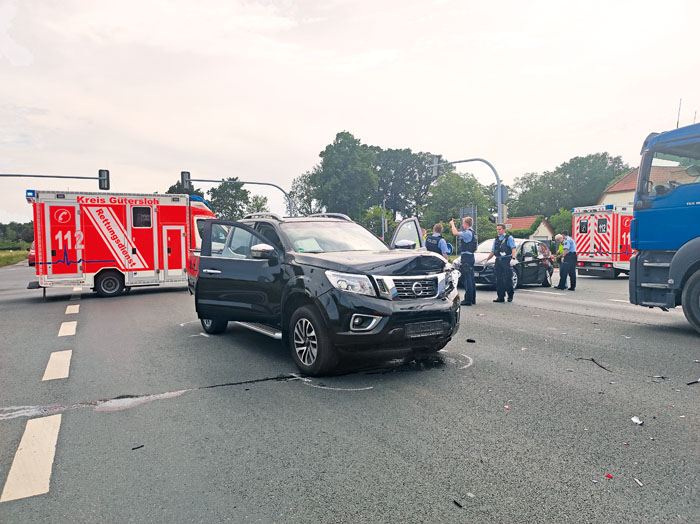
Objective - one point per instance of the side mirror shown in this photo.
(405, 244)
(263, 251)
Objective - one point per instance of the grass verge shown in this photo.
(8, 258)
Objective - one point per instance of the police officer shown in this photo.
(436, 243)
(505, 253)
(570, 259)
(467, 245)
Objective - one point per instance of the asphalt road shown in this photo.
(519, 419)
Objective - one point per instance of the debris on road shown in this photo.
(523, 349)
(608, 476)
(507, 407)
(596, 363)
(595, 481)
(694, 382)
(638, 482)
(626, 444)
(481, 314)
(570, 370)
(137, 447)
(457, 504)
(471, 340)
(636, 420)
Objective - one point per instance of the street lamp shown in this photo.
(499, 198)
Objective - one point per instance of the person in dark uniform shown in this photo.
(436, 243)
(505, 253)
(467, 245)
(568, 268)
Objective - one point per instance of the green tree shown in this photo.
(372, 220)
(561, 220)
(229, 200)
(177, 189)
(257, 204)
(451, 192)
(578, 182)
(404, 180)
(346, 181)
(302, 195)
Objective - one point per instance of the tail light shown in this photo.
(579, 264)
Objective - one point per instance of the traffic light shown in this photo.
(104, 179)
(185, 180)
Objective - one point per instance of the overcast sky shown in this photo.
(256, 90)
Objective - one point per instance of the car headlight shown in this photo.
(453, 276)
(351, 283)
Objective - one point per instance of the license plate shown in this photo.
(424, 329)
(596, 264)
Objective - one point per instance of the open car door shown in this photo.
(240, 274)
(408, 235)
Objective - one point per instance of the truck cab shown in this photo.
(665, 272)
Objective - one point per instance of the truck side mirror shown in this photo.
(266, 252)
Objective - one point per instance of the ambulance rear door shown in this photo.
(64, 241)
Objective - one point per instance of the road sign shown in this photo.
(450, 249)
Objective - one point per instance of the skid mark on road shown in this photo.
(123, 402)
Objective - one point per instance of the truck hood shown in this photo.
(393, 263)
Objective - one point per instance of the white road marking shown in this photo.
(67, 329)
(73, 309)
(616, 300)
(30, 473)
(545, 292)
(58, 366)
(471, 361)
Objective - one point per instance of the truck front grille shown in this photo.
(410, 288)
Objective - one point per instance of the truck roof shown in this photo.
(674, 139)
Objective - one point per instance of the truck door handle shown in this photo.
(211, 271)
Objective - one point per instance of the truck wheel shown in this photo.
(547, 282)
(214, 327)
(311, 348)
(691, 300)
(109, 284)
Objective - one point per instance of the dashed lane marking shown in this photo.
(73, 309)
(545, 292)
(30, 473)
(58, 366)
(67, 329)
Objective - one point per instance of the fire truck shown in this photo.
(602, 237)
(111, 242)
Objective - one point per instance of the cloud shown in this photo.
(367, 60)
(17, 54)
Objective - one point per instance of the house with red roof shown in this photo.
(533, 227)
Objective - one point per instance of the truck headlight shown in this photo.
(351, 283)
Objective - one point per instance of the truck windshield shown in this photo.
(666, 171)
(326, 237)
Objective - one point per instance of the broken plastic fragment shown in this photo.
(608, 476)
(570, 370)
(507, 407)
(471, 340)
(595, 481)
(636, 420)
(638, 482)
(625, 443)
(523, 349)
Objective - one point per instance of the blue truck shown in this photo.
(665, 230)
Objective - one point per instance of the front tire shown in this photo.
(213, 327)
(109, 284)
(691, 300)
(309, 343)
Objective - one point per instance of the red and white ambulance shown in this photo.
(111, 242)
(602, 237)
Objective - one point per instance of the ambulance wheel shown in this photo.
(214, 327)
(691, 300)
(109, 284)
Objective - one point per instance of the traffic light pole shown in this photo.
(186, 185)
(498, 180)
(103, 177)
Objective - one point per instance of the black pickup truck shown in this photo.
(325, 285)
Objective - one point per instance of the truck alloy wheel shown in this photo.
(308, 341)
(547, 282)
(516, 279)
